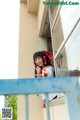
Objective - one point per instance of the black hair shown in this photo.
(38, 54)
(41, 54)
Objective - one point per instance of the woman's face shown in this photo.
(39, 61)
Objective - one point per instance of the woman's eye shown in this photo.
(39, 58)
(35, 60)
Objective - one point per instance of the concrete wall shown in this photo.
(59, 112)
(29, 42)
(42, 13)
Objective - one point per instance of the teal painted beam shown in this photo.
(27, 107)
(47, 106)
(72, 104)
(37, 85)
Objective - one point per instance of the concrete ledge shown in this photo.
(32, 6)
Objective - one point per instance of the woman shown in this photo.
(43, 61)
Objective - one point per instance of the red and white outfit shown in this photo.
(49, 71)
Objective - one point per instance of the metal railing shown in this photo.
(67, 85)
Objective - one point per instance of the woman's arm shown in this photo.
(48, 71)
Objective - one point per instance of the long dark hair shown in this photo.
(45, 58)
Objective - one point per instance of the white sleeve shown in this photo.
(50, 71)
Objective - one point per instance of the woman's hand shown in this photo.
(44, 74)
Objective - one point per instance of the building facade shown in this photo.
(54, 28)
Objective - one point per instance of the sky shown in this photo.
(9, 40)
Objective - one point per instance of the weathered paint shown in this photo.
(37, 85)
